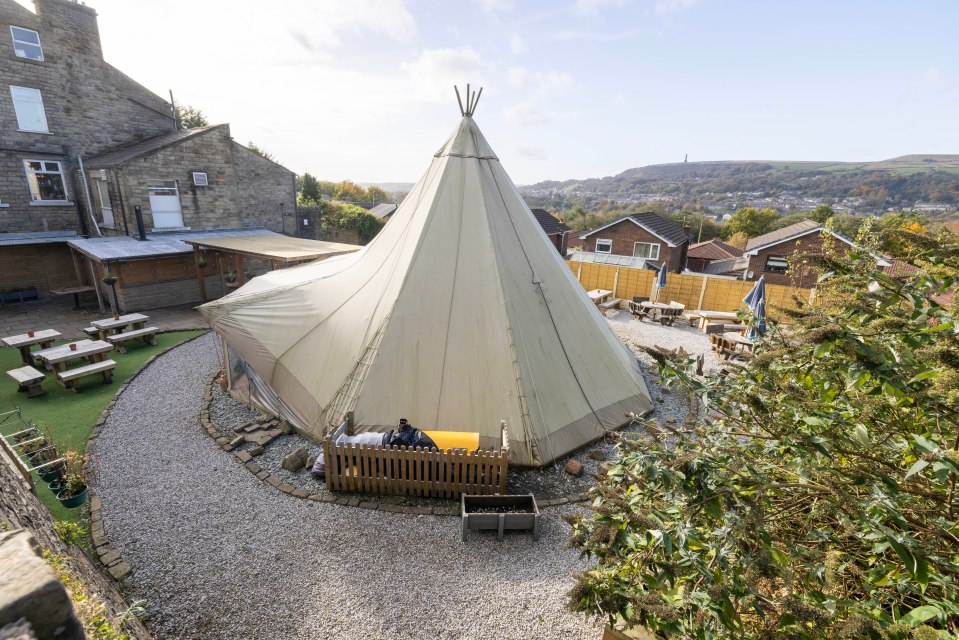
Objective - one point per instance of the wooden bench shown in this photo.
(668, 316)
(70, 376)
(92, 332)
(723, 328)
(29, 380)
(148, 334)
(609, 304)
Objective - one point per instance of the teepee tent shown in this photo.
(458, 315)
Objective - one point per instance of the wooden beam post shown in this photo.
(200, 278)
(238, 267)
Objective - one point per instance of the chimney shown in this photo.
(687, 230)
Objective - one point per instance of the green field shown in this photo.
(70, 416)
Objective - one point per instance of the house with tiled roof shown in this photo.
(641, 235)
(702, 254)
(555, 229)
(772, 255)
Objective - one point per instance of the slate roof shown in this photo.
(713, 250)
(782, 235)
(35, 237)
(121, 156)
(657, 225)
(383, 210)
(157, 245)
(551, 225)
(727, 266)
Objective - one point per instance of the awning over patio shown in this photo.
(282, 249)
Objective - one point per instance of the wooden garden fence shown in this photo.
(694, 291)
(430, 473)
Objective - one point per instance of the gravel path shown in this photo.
(218, 554)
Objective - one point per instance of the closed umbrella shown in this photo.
(756, 301)
(659, 282)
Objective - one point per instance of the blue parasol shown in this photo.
(660, 282)
(756, 301)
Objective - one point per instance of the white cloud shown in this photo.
(670, 6)
(516, 43)
(435, 71)
(524, 114)
(618, 100)
(496, 6)
(533, 153)
(932, 80)
(593, 7)
(516, 76)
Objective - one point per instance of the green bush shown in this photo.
(816, 498)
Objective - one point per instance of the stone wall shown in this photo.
(811, 244)
(20, 509)
(90, 106)
(625, 233)
(266, 194)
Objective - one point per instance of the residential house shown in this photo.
(641, 235)
(773, 254)
(85, 147)
(555, 229)
(703, 253)
(384, 211)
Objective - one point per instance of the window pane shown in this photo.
(45, 185)
(28, 36)
(28, 103)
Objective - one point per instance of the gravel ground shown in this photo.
(218, 554)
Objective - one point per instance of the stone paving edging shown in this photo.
(354, 501)
(109, 557)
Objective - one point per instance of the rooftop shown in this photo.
(714, 249)
(158, 244)
(781, 235)
(653, 223)
(35, 237)
(146, 147)
(550, 223)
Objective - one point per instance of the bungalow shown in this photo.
(702, 254)
(555, 229)
(771, 255)
(641, 235)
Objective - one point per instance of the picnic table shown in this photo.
(598, 296)
(111, 326)
(739, 342)
(58, 356)
(23, 342)
(708, 317)
(76, 291)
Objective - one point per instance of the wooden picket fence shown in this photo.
(430, 473)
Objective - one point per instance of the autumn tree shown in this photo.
(188, 117)
(751, 221)
(349, 191)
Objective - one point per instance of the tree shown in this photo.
(376, 194)
(188, 117)
(821, 213)
(349, 191)
(738, 240)
(309, 189)
(260, 152)
(339, 215)
(815, 496)
(751, 221)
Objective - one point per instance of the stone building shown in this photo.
(642, 235)
(83, 146)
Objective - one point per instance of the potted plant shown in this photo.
(230, 278)
(31, 333)
(57, 485)
(201, 262)
(75, 492)
(51, 473)
(109, 278)
(250, 274)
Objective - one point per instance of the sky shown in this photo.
(362, 89)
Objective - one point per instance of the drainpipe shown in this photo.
(123, 212)
(86, 192)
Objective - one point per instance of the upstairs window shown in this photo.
(646, 250)
(28, 103)
(45, 178)
(776, 264)
(604, 246)
(26, 43)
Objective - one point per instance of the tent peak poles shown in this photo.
(472, 99)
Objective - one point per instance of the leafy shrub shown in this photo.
(817, 496)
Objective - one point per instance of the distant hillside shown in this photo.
(897, 182)
(390, 187)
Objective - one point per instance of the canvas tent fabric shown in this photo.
(459, 314)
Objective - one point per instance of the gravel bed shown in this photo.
(218, 554)
(227, 414)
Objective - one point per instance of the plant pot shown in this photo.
(71, 501)
(57, 485)
(51, 474)
(201, 264)
(31, 333)
(499, 512)
(39, 457)
(73, 346)
(116, 316)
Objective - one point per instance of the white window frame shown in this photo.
(608, 250)
(37, 44)
(648, 244)
(27, 98)
(776, 270)
(35, 189)
(106, 207)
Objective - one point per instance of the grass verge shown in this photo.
(70, 416)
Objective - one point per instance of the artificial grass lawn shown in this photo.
(70, 416)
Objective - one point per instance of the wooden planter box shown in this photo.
(19, 296)
(430, 473)
(500, 512)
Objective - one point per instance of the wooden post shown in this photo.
(615, 282)
(238, 267)
(200, 278)
(702, 293)
(276, 264)
(96, 285)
